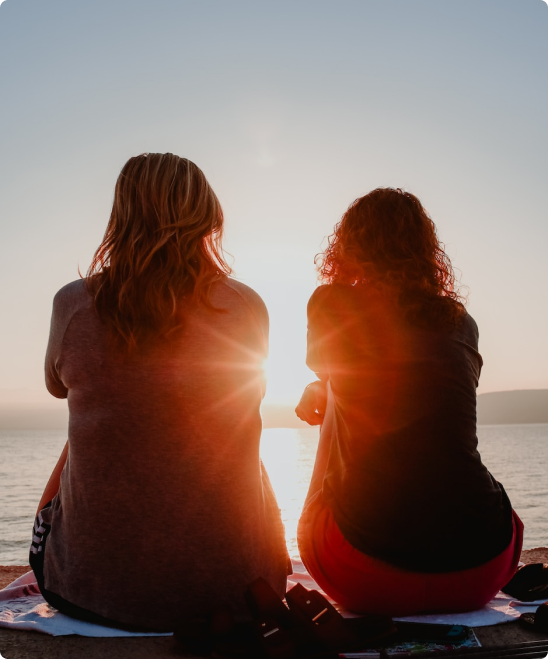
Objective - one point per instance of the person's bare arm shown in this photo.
(311, 407)
(52, 486)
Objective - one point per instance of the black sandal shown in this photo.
(324, 623)
(537, 621)
(279, 635)
(311, 627)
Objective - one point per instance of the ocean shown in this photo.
(517, 455)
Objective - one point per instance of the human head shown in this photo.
(387, 239)
(162, 243)
(163, 203)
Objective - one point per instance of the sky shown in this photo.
(292, 109)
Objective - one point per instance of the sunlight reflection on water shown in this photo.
(288, 455)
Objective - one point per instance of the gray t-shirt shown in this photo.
(164, 509)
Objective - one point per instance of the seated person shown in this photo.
(159, 507)
(402, 517)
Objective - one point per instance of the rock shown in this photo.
(536, 555)
(9, 573)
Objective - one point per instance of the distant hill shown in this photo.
(20, 417)
(499, 407)
(521, 406)
(32, 409)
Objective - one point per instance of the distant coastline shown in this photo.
(498, 407)
(520, 406)
(495, 408)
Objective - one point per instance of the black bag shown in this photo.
(529, 583)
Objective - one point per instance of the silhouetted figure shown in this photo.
(164, 509)
(401, 517)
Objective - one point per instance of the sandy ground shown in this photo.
(30, 645)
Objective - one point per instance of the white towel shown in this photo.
(23, 607)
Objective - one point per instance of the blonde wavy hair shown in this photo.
(161, 249)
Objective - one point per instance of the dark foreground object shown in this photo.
(305, 626)
(537, 621)
(530, 583)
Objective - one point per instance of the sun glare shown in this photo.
(288, 455)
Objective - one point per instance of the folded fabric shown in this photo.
(23, 607)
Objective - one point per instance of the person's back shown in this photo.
(404, 478)
(163, 508)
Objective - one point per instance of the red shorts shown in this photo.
(364, 584)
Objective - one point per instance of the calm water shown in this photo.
(516, 455)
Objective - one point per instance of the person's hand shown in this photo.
(311, 407)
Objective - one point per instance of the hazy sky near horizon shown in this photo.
(293, 109)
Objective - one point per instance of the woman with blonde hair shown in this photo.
(159, 507)
(402, 517)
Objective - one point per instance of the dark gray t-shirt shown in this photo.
(404, 477)
(164, 508)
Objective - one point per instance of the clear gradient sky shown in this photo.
(293, 108)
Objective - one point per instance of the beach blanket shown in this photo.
(23, 607)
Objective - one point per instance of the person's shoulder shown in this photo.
(244, 293)
(328, 293)
(322, 293)
(71, 295)
(469, 324)
(242, 290)
(470, 321)
(71, 289)
(464, 328)
(68, 301)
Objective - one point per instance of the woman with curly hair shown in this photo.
(159, 507)
(402, 517)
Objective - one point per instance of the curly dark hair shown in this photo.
(387, 239)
